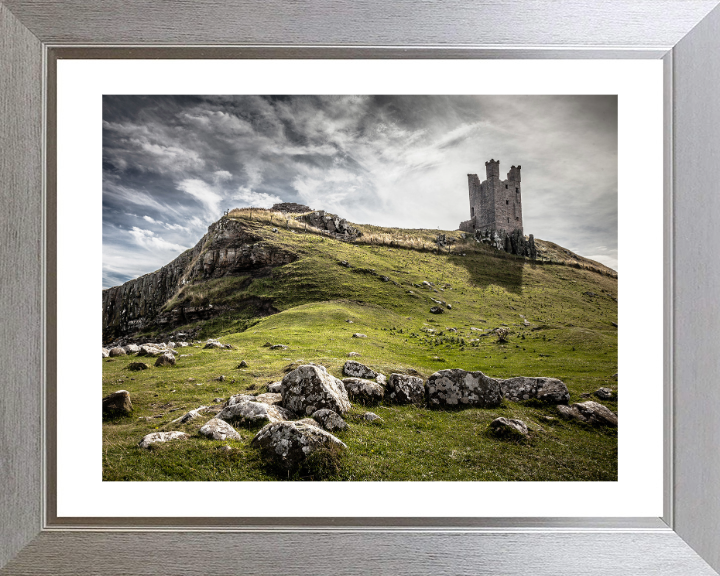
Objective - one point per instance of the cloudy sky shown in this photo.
(173, 164)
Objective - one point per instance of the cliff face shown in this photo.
(228, 249)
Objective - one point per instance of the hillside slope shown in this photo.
(259, 281)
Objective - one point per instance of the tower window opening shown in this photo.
(517, 189)
(472, 212)
(508, 220)
(506, 186)
(507, 202)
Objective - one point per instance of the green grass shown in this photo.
(570, 337)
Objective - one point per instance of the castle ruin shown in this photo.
(494, 204)
(496, 211)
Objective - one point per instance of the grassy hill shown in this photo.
(559, 315)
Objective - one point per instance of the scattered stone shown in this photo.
(404, 389)
(615, 375)
(213, 344)
(278, 347)
(456, 387)
(254, 412)
(289, 443)
(357, 370)
(105, 352)
(350, 321)
(590, 412)
(426, 284)
(146, 350)
(167, 359)
(239, 399)
(358, 335)
(380, 379)
(604, 393)
(309, 388)
(116, 404)
(372, 417)
(136, 366)
(225, 448)
(191, 415)
(242, 364)
(353, 354)
(131, 349)
(549, 390)
(344, 263)
(363, 391)
(220, 378)
(269, 398)
(218, 400)
(275, 387)
(436, 310)
(154, 437)
(329, 420)
(117, 351)
(217, 429)
(508, 428)
(614, 324)
(449, 306)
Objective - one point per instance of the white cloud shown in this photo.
(151, 220)
(202, 192)
(148, 240)
(256, 199)
(221, 175)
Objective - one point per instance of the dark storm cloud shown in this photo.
(172, 164)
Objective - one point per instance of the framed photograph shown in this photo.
(337, 154)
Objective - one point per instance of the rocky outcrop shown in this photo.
(288, 444)
(456, 387)
(309, 388)
(511, 242)
(229, 248)
(166, 359)
(330, 223)
(291, 208)
(254, 412)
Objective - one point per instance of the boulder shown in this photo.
(363, 391)
(329, 420)
(309, 388)
(278, 347)
(357, 370)
(105, 352)
(549, 390)
(308, 422)
(250, 412)
(269, 398)
(239, 399)
(358, 335)
(117, 351)
(213, 344)
(372, 417)
(242, 364)
(131, 349)
(166, 359)
(508, 427)
(154, 437)
(275, 387)
(455, 387)
(404, 389)
(288, 444)
(589, 412)
(136, 366)
(116, 404)
(217, 429)
(436, 310)
(604, 393)
(380, 379)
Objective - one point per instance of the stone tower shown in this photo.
(495, 204)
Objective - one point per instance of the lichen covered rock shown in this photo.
(329, 420)
(288, 444)
(217, 429)
(549, 390)
(589, 412)
(355, 369)
(250, 412)
(155, 437)
(166, 359)
(508, 428)
(116, 404)
(309, 388)
(455, 387)
(363, 391)
(404, 389)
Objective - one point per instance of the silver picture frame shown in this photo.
(685, 34)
